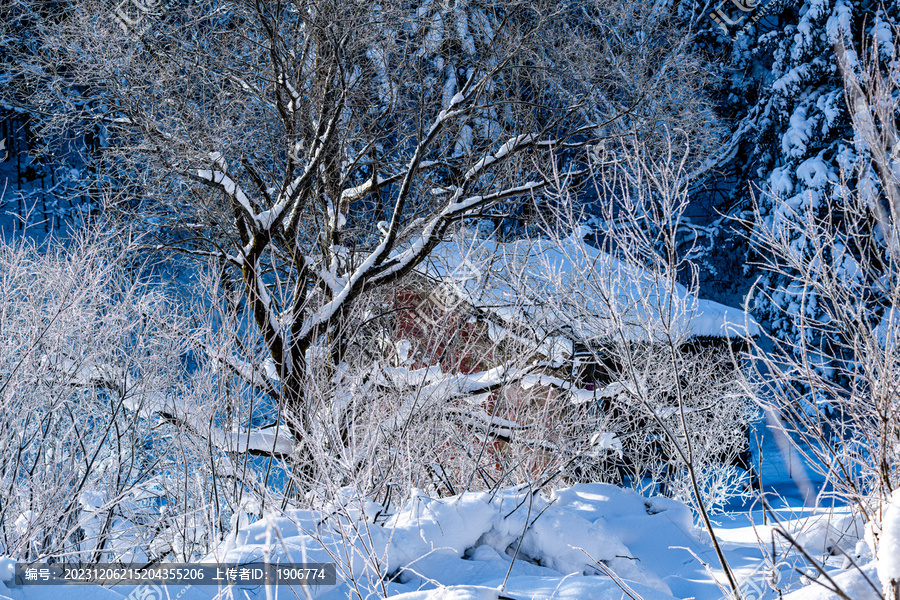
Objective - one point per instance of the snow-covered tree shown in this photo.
(808, 150)
(320, 150)
(801, 140)
(792, 138)
(833, 382)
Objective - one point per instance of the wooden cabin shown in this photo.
(489, 315)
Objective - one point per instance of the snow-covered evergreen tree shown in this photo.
(793, 152)
(806, 152)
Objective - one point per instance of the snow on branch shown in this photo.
(372, 185)
(219, 178)
(511, 146)
(270, 441)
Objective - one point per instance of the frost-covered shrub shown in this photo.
(103, 454)
(716, 413)
(440, 398)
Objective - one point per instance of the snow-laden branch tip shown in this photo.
(230, 187)
(509, 147)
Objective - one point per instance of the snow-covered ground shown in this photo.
(590, 541)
